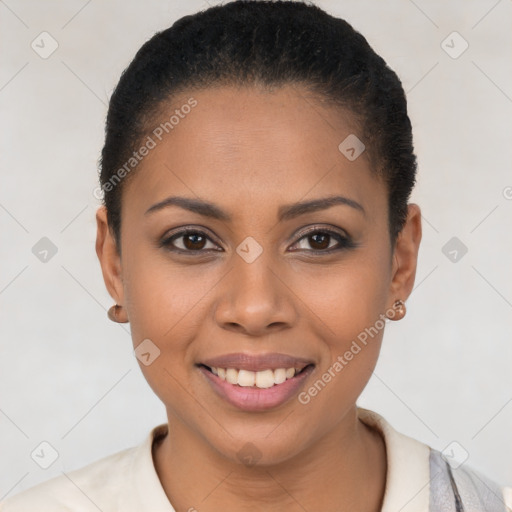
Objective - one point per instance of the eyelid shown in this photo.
(323, 228)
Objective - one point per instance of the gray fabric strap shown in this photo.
(461, 489)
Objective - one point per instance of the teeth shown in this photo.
(263, 379)
(232, 376)
(279, 375)
(245, 378)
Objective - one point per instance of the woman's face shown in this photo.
(260, 284)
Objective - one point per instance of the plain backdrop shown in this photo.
(68, 375)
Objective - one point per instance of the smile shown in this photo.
(256, 382)
(262, 379)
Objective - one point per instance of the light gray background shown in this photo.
(68, 374)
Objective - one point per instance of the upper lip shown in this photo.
(257, 362)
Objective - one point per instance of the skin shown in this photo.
(250, 151)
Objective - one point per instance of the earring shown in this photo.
(398, 310)
(114, 312)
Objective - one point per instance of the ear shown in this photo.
(109, 257)
(405, 256)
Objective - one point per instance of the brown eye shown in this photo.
(189, 241)
(319, 240)
(323, 241)
(194, 241)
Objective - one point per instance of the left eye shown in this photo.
(321, 240)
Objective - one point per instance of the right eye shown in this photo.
(188, 241)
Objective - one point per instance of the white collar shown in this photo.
(408, 473)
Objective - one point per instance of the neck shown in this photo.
(344, 470)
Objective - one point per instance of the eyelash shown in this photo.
(343, 241)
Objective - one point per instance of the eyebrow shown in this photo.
(285, 212)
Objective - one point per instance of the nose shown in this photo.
(253, 299)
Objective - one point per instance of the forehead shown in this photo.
(248, 148)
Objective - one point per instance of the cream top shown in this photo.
(127, 481)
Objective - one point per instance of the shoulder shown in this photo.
(124, 481)
(414, 462)
(81, 490)
(452, 480)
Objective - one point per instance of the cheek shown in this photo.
(164, 303)
(347, 298)
(348, 305)
(162, 296)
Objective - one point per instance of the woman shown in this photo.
(256, 234)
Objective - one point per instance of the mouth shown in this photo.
(263, 379)
(256, 383)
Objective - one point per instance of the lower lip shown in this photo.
(256, 399)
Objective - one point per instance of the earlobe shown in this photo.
(108, 256)
(406, 255)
